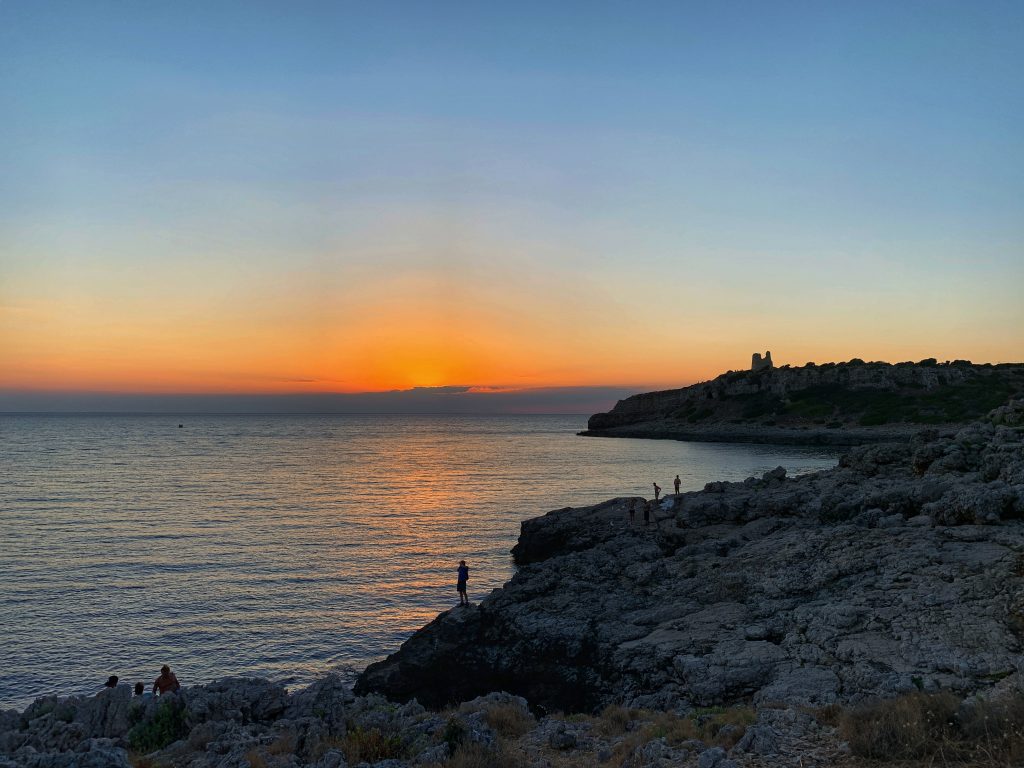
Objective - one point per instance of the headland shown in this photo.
(841, 404)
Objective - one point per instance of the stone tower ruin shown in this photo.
(758, 363)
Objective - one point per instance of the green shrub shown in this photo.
(167, 725)
(454, 734)
(700, 415)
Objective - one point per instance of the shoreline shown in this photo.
(842, 437)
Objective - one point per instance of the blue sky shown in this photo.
(827, 179)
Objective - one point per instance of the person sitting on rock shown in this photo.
(140, 690)
(111, 682)
(461, 585)
(166, 683)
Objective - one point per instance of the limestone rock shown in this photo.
(830, 587)
(760, 740)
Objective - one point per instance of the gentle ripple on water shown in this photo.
(282, 546)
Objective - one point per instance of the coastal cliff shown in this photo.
(900, 570)
(849, 403)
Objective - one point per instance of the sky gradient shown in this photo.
(348, 197)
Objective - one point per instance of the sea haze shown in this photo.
(283, 546)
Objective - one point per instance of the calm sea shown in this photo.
(282, 546)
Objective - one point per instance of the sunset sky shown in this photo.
(217, 197)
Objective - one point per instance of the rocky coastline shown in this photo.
(760, 623)
(834, 404)
(902, 569)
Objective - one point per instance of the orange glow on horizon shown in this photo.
(381, 329)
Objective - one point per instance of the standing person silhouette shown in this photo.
(461, 585)
(676, 483)
(657, 490)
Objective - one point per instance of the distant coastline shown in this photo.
(760, 434)
(834, 404)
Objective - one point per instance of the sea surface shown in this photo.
(283, 546)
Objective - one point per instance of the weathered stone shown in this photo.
(711, 758)
(767, 590)
(760, 740)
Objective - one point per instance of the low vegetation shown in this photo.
(371, 745)
(477, 756)
(508, 720)
(168, 724)
(935, 729)
(631, 729)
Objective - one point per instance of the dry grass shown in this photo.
(255, 759)
(614, 720)
(477, 756)
(282, 745)
(936, 729)
(707, 725)
(369, 746)
(509, 721)
(829, 715)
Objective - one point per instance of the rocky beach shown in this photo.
(776, 621)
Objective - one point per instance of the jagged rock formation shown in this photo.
(901, 569)
(840, 404)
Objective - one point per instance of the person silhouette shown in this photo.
(657, 490)
(676, 483)
(167, 682)
(461, 584)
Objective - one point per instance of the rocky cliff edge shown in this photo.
(902, 569)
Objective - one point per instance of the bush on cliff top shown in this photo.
(167, 725)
